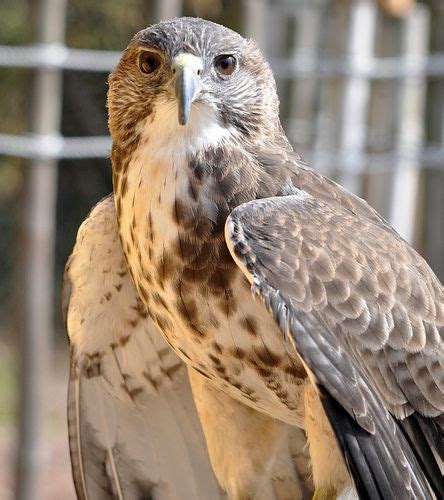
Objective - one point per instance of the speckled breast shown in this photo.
(203, 305)
(171, 224)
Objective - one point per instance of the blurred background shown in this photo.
(361, 84)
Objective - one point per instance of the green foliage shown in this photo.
(106, 24)
(15, 28)
(8, 387)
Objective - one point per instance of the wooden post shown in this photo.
(304, 90)
(168, 9)
(334, 22)
(254, 21)
(353, 126)
(382, 114)
(39, 205)
(410, 132)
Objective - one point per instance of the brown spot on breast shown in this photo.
(192, 275)
(187, 309)
(187, 250)
(149, 227)
(282, 395)
(221, 279)
(165, 267)
(220, 369)
(199, 332)
(238, 353)
(225, 260)
(248, 391)
(118, 287)
(263, 372)
(163, 322)
(295, 371)
(198, 168)
(214, 322)
(249, 324)
(215, 360)
(237, 385)
(268, 357)
(108, 296)
(227, 304)
(217, 348)
(183, 214)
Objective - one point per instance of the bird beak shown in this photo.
(187, 84)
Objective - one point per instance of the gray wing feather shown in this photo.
(133, 427)
(363, 310)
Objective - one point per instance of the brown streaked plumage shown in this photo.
(133, 428)
(211, 201)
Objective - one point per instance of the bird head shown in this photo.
(188, 69)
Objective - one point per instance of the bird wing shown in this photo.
(133, 427)
(366, 315)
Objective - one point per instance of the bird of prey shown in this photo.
(293, 304)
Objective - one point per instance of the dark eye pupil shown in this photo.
(149, 63)
(225, 65)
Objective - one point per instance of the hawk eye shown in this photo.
(149, 62)
(225, 64)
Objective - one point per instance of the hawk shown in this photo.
(291, 302)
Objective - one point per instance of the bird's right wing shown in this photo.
(133, 427)
(335, 282)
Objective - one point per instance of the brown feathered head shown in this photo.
(190, 64)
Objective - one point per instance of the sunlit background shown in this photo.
(361, 84)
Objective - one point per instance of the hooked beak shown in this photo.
(187, 84)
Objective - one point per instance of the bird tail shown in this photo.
(371, 457)
(426, 438)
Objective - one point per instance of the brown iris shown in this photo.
(225, 64)
(149, 62)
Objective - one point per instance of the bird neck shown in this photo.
(175, 186)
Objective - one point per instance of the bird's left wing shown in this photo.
(133, 426)
(361, 313)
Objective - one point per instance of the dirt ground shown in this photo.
(56, 481)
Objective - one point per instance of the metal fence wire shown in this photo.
(362, 99)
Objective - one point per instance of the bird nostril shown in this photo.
(174, 71)
(198, 71)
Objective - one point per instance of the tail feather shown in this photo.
(373, 460)
(425, 436)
